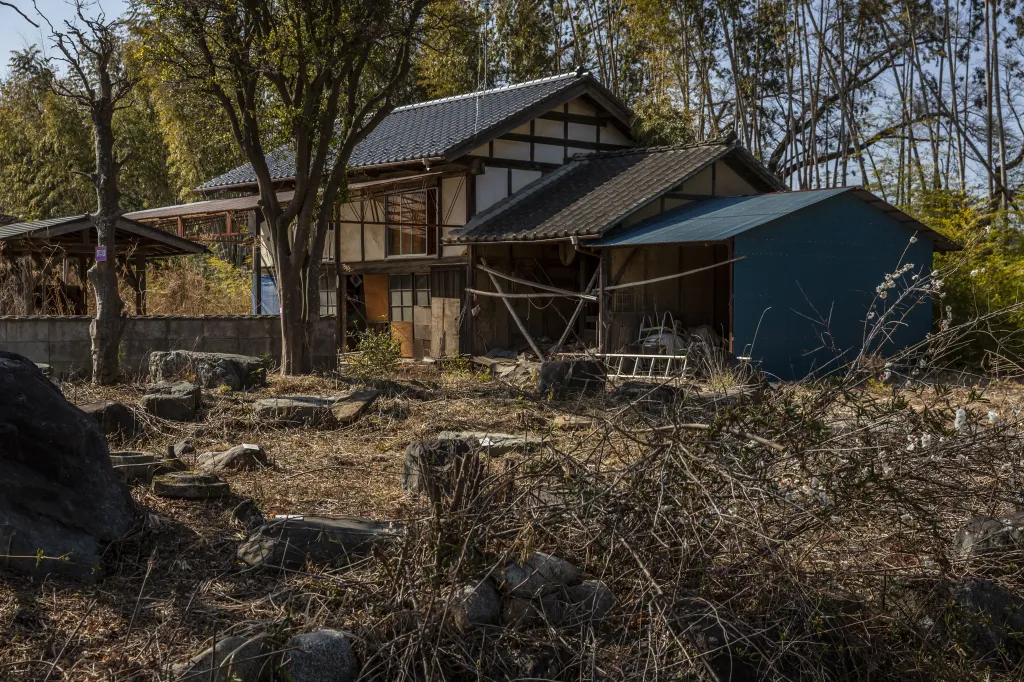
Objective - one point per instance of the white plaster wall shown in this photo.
(522, 178)
(374, 247)
(728, 183)
(612, 135)
(508, 149)
(351, 250)
(548, 153)
(582, 131)
(545, 128)
(491, 187)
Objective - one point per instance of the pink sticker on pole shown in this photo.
(101, 254)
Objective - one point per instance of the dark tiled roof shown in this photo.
(592, 193)
(447, 128)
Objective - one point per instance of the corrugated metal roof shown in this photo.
(24, 228)
(53, 227)
(712, 220)
(592, 193)
(442, 127)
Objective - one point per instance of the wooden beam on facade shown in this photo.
(543, 287)
(512, 311)
(560, 142)
(672, 276)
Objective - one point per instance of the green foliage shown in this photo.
(449, 61)
(378, 355)
(45, 142)
(659, 122)
(988, 274)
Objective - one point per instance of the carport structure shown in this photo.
(71, 243)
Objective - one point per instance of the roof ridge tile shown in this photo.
(490, 91)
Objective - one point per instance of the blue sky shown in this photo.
(16, 33)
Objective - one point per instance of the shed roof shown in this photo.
(718, 219)
(444, 129)
(59, 231)
(594, 192)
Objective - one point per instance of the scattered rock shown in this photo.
(733, 396)
(321, 656)
(239, 458)
(541, 574)
(476, 605)
(434, 461)
(167, 465)
(116, 419)
(586, 603)
(563, 377)
(186, 485)
(248, 515)
(291, 542)
(721, 652)
(133, 467)
(349, 408)
(572, 422)
(313, 410)
(494, 443)
(182, 448)
(231, 659)
(646, 392)
(526, 613)
(178, 401)
(61, 496)
(993, 616)
(990, 535)
(209, 369)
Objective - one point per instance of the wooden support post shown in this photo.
(468, 341)
(342, 312)
(140, 289)
(602, 305)
(512, 312)
(572, 321)
(257, 263)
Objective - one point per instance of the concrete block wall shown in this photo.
(63, 341)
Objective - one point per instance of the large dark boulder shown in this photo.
(60, 498)
(561, 378)
(209, 370)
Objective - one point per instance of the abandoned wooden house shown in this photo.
(525, 218)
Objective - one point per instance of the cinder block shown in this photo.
(256, 346)
(224, 328)
(79, 352)
(220, 346)
(68, 329)
(3, 332)
(28, 329)
(150, 328)
(187, 329)
(36, 351)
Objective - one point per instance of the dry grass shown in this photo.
(685, 524)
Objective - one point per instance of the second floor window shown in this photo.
(411, 218)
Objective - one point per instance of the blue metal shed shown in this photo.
(809, 266)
